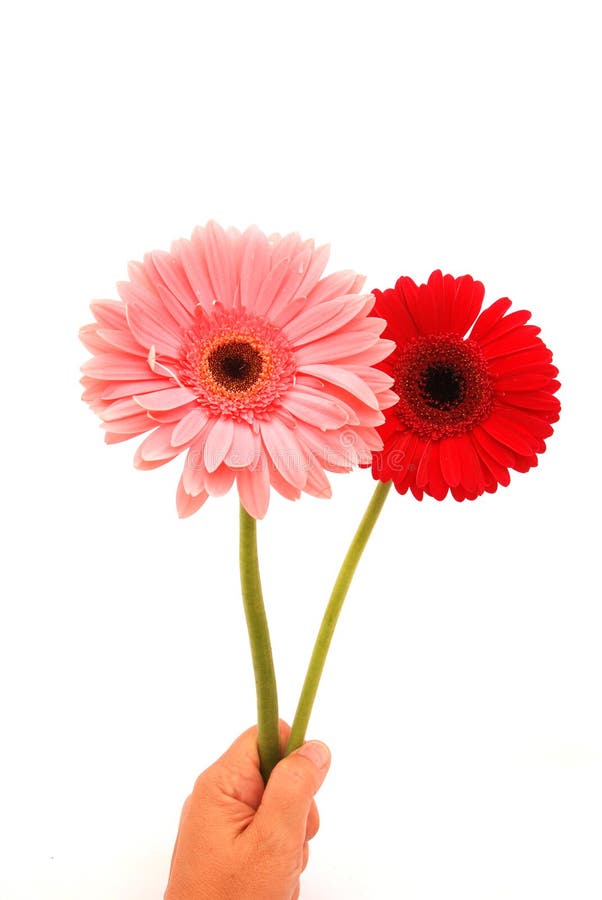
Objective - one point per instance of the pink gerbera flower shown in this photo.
(233, 349)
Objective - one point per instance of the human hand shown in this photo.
(241, 840)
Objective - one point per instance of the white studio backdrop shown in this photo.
(461, 698)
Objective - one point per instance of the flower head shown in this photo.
(470, 407)
(234, 350)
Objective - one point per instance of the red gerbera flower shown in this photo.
(470, 407)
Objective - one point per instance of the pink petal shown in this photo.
(218, 442)
(177, 311)
(379, 351)
(187, 505)
(357, 411)
(326, 318)
(122, 340)
(116, 367)
(219, 482)
(333, 449)
(128, 388)
(333, 286)
(155, 329)
(171, 416)
(109, 313)
(289, 288)
(93, 341)
(170, 398)
(220, 256)
(156, 446)
(144, 276)
(111, 438)
(245, 448)
(194, 472)
(284, 451)
(315, 408)
(316, 266)
(254, 488)
(286, 247)
(131, 425)
(376, 378)
(189, 426)
(349, 381)
(317, 483)
(192, 255)
(254, 266)
(173, 274)
(270, 287)
(288, 313)
(318, 318)
(120, 409)
(282, 485)
(386, 399)
(340, 345)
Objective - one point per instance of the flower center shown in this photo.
(443, 384)
(237, 364)
(443, 387)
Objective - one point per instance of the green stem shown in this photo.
(335, 604)
(261, 650)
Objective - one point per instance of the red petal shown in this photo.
(437, 487)
(512, 435)
(500, 452)
(524, 381)
(489, 317)
(451, 464)
(468, 302)
(391, 306)
(472, 477)
(505, 325)
(523, 338)
(420, 304)
(537, 356)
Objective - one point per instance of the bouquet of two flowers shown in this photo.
(235, 351)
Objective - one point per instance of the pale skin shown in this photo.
(241, 840)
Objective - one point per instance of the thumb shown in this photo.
(289, 793)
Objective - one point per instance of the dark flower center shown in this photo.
(443, 384)
(235, 365)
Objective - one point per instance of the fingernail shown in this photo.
(317, 752)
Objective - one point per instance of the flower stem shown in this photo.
(261, 650)
(329, 621)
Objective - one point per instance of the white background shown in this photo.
(461, 699)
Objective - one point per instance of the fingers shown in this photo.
(236, 777)
(313, 822)
(231, 789)
(288, 796)
(245, 746)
